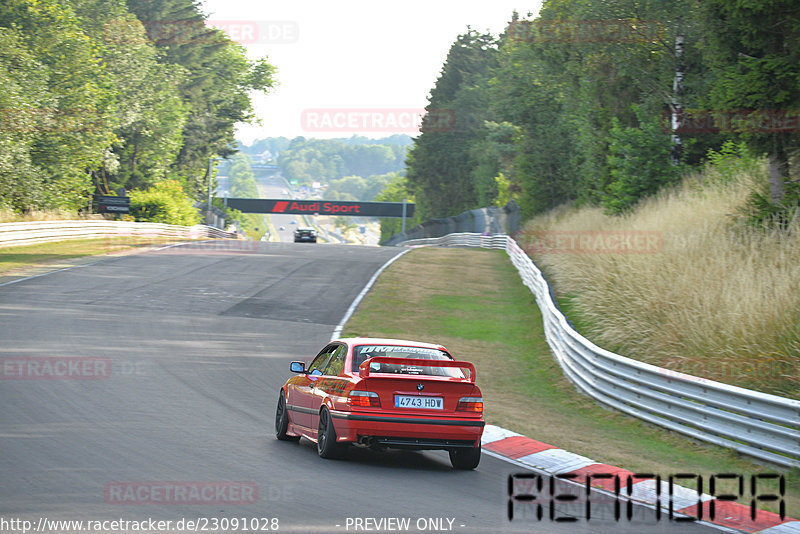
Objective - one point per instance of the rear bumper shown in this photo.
(408, 430)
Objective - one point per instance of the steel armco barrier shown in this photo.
(493, 220)
(30, 233)
(756, 424)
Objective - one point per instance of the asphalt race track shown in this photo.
(183, 352)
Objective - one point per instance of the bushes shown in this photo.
(165, 202)
(761, 212)
(640, 164)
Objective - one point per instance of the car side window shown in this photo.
(336, 363)
(321, 361)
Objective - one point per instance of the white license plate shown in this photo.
(413, 401)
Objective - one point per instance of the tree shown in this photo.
(396, 191)
(215, 89)
(347, 188)
(243, 182)
(439, 167)
(72, 120)
(753, 47)
(530, 101)
(94, 94)
(148, 111)
(640, 163)
(323, 160)
(164, 202)
(492, 157)
(24, 82)
(566, 76)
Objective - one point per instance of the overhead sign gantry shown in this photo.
(322, 207)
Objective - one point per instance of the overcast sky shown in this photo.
(336, 59)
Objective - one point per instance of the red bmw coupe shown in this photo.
(384, 393)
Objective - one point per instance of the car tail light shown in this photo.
(470, 404)
(364, 399)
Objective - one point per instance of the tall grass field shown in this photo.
(713, 297)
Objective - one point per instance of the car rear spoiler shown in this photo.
(363, 369)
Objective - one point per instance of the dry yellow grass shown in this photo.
(54, 215)
(718, 299)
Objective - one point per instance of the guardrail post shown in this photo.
(403, 230)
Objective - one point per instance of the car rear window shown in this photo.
(363, 352)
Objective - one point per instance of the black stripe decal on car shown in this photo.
(300, 409)
(405, 420)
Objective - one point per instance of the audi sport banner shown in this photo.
(320, 207)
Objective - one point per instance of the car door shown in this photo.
(302, 400)
(329, 383)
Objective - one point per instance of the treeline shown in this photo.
(103, 94)
(357, 187)
(321, 160)
(605, 102)
(356, 168)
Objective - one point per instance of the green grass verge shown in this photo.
(474, 302)
(18, 258)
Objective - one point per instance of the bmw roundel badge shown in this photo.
(420, 387)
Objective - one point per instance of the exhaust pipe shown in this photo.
(366, 441)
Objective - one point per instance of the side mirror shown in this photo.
(297, 367)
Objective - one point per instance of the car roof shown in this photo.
(304, 229)
(352, 341)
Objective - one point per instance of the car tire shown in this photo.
(465, 458)
(326, 436)
(282, 421)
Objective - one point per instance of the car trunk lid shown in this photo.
(405, 386)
